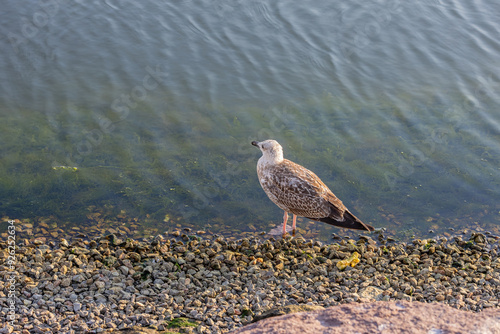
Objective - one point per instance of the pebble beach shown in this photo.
(216, 285)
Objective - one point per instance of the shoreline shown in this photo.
(112, 283)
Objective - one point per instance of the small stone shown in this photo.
(124, 270)
(134, 257)
(440, 298)
(189, 256)
(371, 293)
(78, 278)
(66, 282)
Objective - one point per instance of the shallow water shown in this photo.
(148, 110)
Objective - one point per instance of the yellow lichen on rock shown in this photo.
(351, 261)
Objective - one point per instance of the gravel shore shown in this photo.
(113, 283)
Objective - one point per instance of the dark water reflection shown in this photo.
(394, 105)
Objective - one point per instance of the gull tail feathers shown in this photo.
(350, 221)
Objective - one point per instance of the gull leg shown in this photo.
(293, 224)
(285, 218)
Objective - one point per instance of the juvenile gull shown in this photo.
(297, 190)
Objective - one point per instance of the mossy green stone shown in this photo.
(181, 322)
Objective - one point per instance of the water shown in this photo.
(147, 110)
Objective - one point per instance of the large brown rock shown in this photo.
(381, 317)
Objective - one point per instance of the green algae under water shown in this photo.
(408, 166)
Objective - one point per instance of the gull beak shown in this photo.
(255, 143)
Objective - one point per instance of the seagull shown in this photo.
(298, 191)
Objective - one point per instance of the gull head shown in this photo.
(272, 152)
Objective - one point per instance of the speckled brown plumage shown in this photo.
(297, 190)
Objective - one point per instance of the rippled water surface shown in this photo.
(147, 109)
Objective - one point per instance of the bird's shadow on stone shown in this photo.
(278, 231)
